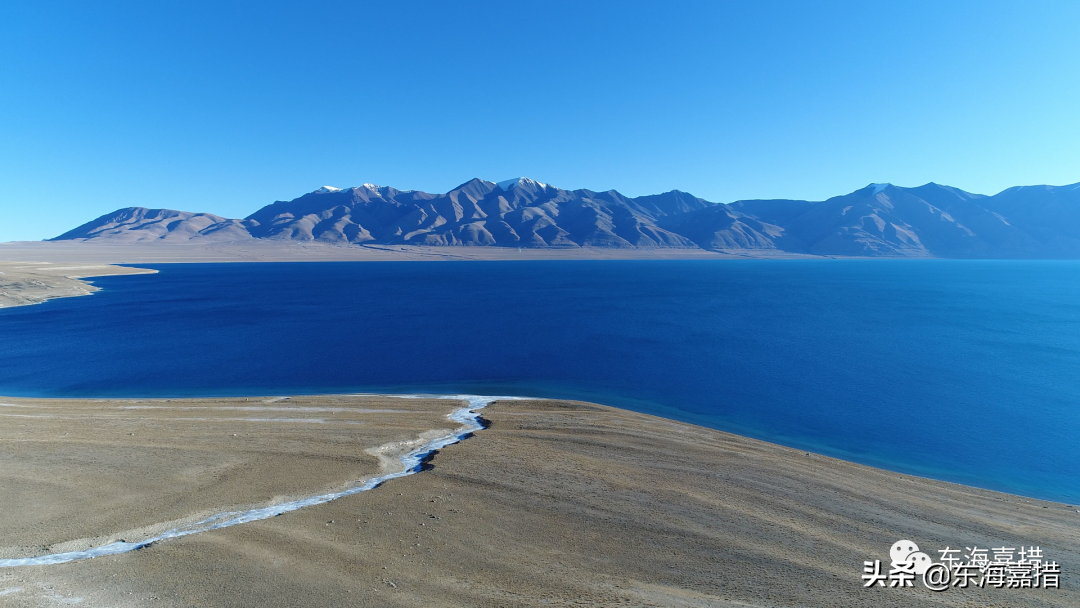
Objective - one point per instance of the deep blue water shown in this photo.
(960, 370)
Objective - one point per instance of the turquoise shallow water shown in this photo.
(959, 370)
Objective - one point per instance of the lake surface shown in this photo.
(966, 371)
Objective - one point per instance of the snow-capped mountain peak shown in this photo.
(510, 184)
(326, 189)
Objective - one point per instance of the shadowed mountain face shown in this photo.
(519, 213)
(141, 224)
(878, 220)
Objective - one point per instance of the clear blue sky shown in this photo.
(225, 107)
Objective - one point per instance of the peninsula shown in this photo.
(555, 503)
(23, 283)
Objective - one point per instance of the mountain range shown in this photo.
(878, 220)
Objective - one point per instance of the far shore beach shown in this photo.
(32, 272)
(256, 250)
(555, 503)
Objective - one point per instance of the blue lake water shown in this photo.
(959, 370)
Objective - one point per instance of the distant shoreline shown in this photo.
(314, 251)
(34, 272)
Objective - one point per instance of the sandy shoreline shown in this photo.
(34, 282)
(556, 503)
(33, 272)
(315, 251)
(137, 467)
(397, 459)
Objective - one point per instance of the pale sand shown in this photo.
(557, 503)
(35, 271)
(313, 251)
(32, 282)
(77, 473)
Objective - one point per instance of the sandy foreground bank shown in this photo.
(255, 250)
(25, 283)
(557, 503)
